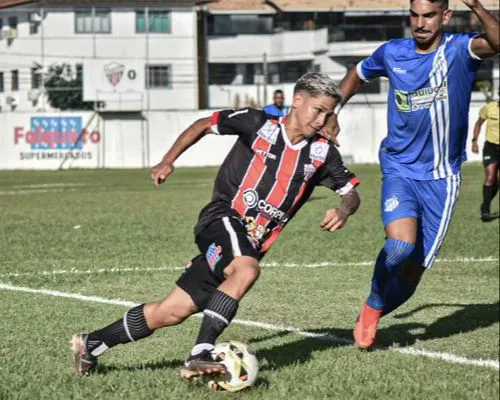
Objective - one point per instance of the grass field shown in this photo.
(111, 235)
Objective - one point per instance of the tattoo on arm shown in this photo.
(350, 202)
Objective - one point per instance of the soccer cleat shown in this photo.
(485, 214)
(365, 330)
(85, 363)
(202, 364)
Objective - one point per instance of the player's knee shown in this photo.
(246, 270)
(412, 272)
(397, 252)
(490, 180)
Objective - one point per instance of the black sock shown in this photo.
(130, 328)
(218, 314)
(494, 191)
(487, 196)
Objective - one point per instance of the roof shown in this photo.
(252, 6)
(12, 3)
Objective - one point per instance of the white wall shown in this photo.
(120, 142)
(57, 37)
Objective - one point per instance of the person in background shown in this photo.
(277, 108)
(491, 154)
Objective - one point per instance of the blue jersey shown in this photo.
(271, 109)
(428, 105)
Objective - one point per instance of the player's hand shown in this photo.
(331, 130)
(160, 172)
(475, 148)
(334, 219)
(471, 3)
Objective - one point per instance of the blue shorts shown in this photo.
(431, 202)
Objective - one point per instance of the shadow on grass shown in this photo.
(467, 318)
(164, 364)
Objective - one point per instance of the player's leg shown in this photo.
(490, 186)
(137, 323)
(399, 214)
(234, 262)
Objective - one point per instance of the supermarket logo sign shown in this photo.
(55, 133)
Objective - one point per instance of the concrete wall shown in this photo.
(136, 140)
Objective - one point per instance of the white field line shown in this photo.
(451, 358)
(119, 270)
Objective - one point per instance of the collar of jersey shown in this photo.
(297, 146)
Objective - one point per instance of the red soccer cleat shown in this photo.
(365, 330)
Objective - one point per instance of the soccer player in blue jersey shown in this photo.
(431, 77)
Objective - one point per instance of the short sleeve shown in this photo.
(374, 65)
(335, 176)
(242, 122)
(483, 112)
(463, 42)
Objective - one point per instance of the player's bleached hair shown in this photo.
(444, 3)
(317, 84)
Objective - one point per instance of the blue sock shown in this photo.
(389, 261)
(397, 293)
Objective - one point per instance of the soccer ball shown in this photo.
(241, 364)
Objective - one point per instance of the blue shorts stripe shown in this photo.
(452, 190)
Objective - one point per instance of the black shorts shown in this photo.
(491, 153)
(219, 243)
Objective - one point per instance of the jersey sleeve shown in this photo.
(374, 65)
(335, 176)
(483, 112)
(464, 43)
(242, 122)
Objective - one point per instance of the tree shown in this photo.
(63, 86)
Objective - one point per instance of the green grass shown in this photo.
(126, 223)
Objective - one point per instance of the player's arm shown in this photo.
(190, 136)
(336, 218)
(371, 67)
(488, 44)
(477, 131)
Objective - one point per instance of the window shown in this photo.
(221, 74)
(98, 21)
(240, 24)
(159, 22)
(158, 76)
(36, 78)
(13, 22)
(14, 77)
(1, 83)
(1, 24)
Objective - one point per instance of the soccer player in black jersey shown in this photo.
(267, 176)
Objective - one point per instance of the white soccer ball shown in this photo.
(241, 364)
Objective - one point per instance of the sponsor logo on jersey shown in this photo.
(250, 198)
(269, 132)
(309, 170)
(266, 154)
(399, 70)
(213, 255)
(420, 99)
(318, 151)
(238, 112)
(391, 203)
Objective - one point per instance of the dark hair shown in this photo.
(278, 91)
(445, 3)
(318, 84)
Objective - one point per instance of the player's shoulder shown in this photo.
(400, 45)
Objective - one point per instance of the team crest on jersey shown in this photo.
(318, 151)
(255, 233)
(391, 203)
(213, 255)
(309, 170)
(269, 132)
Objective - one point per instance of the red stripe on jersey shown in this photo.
(271, 239)
(354, 181)
(214, 120)
(252, 176)
(284, 176)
